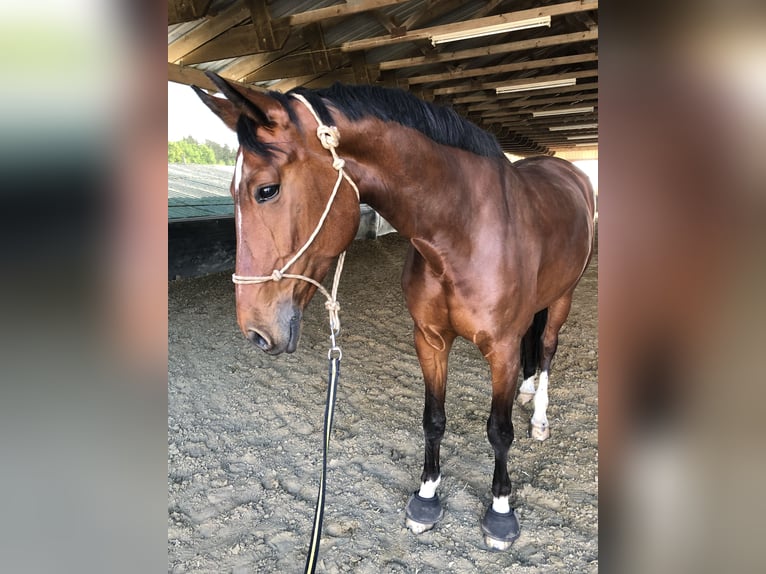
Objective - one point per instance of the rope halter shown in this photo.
(329, 137)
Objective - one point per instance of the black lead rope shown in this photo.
(332, 382)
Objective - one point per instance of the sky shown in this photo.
(188, 116)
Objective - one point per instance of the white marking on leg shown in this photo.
(528, 386)
(417, 527)
(500, 504)
(539, 418)
(238, 171)
(428, 488)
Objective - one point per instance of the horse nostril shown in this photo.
(258, 340)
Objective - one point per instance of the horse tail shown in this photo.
(532, 344)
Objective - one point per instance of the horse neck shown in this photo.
(417, 185)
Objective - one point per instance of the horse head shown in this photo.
(281, 187)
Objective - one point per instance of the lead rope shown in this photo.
(329, 136)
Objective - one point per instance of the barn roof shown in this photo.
(281, 44)
(199, 191)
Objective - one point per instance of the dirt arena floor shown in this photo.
(244, 440)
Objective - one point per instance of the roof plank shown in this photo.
(467, 25)
(186, 10)
(513, 82)
(336, 11)
(206, 31)
(513, 67)
(490, 50)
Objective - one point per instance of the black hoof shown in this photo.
(422, 513)
(500, 530)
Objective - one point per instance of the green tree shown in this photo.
(223, 153)
(175, 155)
(188, 150)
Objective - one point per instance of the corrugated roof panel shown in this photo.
(282, 8)
(196, 191)
(216, 66)
(178, 212)
(356, 27)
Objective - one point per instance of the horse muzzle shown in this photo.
(280, 337)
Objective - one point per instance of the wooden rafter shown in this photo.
(465, 26)
(514, 82)
(504, 68)
(243, 67)
(337, 11)
(482, 100)
(430, 11)
(206, 31)
(319, 46)
(501, 110)
(192, 76)
(490, 50)
(523, 118)
(268, 34)
(186, 10)
(316, 60)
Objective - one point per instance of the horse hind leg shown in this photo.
(539, 428)
(530, 356)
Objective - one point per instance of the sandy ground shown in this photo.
(244, 440)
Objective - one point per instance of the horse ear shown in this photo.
(264, 109)
(221, 107)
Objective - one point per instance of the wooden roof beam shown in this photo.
(485, 100)
(244, 40)
(292, 66)
(186, 10)
(206, 31)
(270, 35)
(542, 136)
(467, 25)
(242, 67)
(551, 139)
(262, 35)
(193, 76)
(543, 123)
(504, 68)
(514, 82)
(430, 11)
(337, 11)
(345, 75)
(490, 50)
(543, 133)
(315, 61)
(502, 110)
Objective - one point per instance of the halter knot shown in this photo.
(332, 306)
(276, 275)
(339, 163)
(329, 136)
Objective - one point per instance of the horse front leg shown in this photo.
(500, 523)
(424, 507)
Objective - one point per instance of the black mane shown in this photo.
(443, 125)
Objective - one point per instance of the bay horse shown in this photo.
(496, 248)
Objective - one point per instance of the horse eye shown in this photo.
(266, 192)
